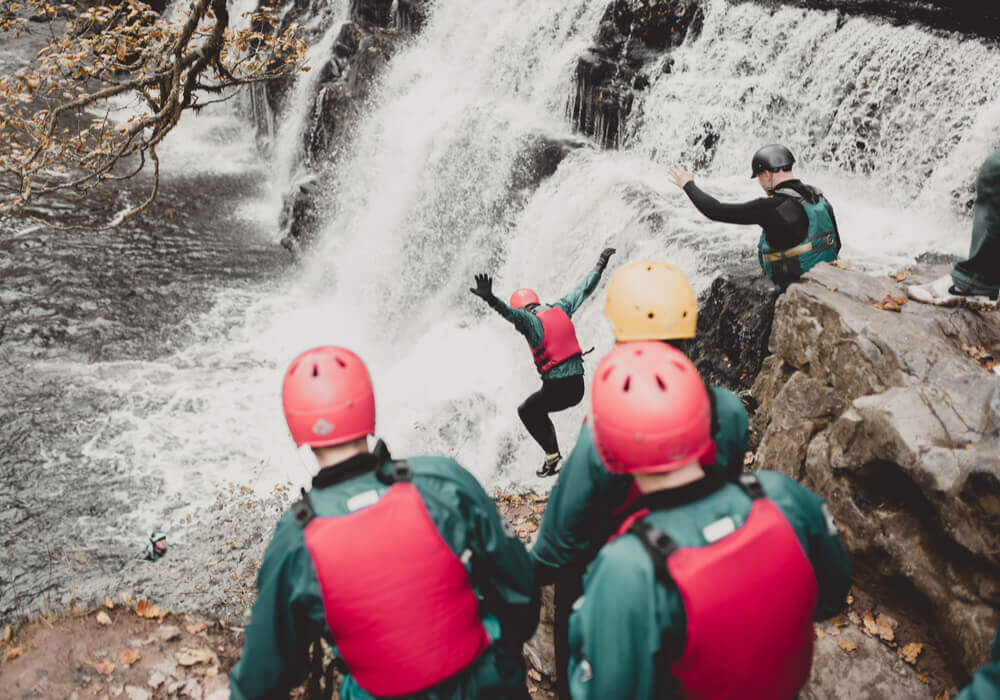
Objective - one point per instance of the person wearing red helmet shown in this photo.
(556, 352)
(404, 567)
(710, 588)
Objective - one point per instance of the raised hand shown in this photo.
(679, 176)
(606, 254)
(484, 286)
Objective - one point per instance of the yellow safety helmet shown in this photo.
(651, 300)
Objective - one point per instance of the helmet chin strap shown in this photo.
(770, 183)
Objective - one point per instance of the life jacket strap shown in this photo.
(658, 545)
(818, 244)
(751, 486)
(303, 511)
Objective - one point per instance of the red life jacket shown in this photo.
(749, 599)
(559, 341)
(397, 599)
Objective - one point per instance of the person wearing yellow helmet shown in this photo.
(647, 300)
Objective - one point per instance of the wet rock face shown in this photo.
(632, 36)
(889, 419)
(970, 16)
(374, 12)
(734, 324)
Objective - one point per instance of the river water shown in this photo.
(141, 368)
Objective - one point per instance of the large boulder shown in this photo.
(894, 418)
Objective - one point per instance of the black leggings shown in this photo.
(555, 395)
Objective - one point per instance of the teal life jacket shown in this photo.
(822, 243)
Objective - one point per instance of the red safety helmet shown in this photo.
(650, 410)
(328, 399)
(523, 297)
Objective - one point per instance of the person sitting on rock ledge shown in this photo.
(558, 357)
(404, 567)
(709, 589)
(799, 228)
(647, 300)
(976, 280)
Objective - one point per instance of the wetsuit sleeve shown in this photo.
(985, 684)
(577, 516)
(524, 321)
(283, 622)
(572, 301)
(614, 629)
(502, 569)
(817, 530)
(756, 211)
(730, 431)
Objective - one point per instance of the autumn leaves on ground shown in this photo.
(136, 650)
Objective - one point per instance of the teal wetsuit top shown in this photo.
(580, 514)
(289, 613)
(530, 327)
(985, 684)
(626, 614)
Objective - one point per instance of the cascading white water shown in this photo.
(428, 196)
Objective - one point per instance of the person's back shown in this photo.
(403, 567)
(710, 588)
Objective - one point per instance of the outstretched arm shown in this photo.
(572, 301)
(522, 320)
(753, 212)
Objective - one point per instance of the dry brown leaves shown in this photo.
(848, 646)
(881, 627)
(104, 667)
(108, 603)
(190, 657)
(840, 621)
(129, 656)
(945, 695)
(832, 287)
(910, 652)
(891, 303)
(146, 609)
(900, 276)
(981, 355)
(14, 653)
(103, 618)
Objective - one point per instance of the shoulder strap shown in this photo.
(658, 545)
(400, 470)
(303, 511)
(751, 486)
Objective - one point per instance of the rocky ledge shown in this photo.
(891, 411)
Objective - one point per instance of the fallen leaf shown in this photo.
(885, 626)
(869, 628)
(841, 264)
(832, 287)
(848, 646)
(945, 694)
(530, 526)
(910, 652)
(190, 657)
(14, 653)
(891, 303)
(8, 634)
(900, 276)
(923, 678)
(535, 675)
(103, 618)
(839, 621)
(195, 629)
(108, 603)
(104, 667)
(146, 609)
(850, 599)
(129, 656)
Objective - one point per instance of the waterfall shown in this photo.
(464, 159)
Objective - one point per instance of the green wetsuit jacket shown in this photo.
(530, 327)
(625, 613)
(580, 514)
(288, 613)
(985, 684)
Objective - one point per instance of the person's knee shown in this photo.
(524, 410)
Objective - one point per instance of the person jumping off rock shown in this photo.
(799, 228)
(976, 280)
(647, 300)
(709, 588)
(404, 567)
(156, 548)
(557, 353)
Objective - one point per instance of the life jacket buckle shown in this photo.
(303, 511)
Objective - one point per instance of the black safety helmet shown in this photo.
(773, 157)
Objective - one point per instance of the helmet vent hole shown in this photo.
(315, 370)
(607, 373)
(628, 380)
(684, 314)
(340, 362)
(650, 315)
(659, 381)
